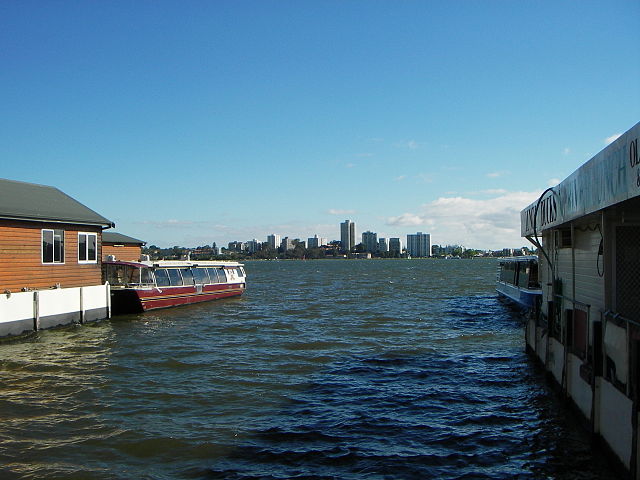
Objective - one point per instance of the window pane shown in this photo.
(213, 275)
(222, 276)
(58, 246)
(187, 276)
(47, 246)
(162, 277)
(174, 276)
(201, 276)
(145, 276)
(82, 247)
(91, 247)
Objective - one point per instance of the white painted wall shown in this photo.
(17, 306)
(22, 305)
(615, 424)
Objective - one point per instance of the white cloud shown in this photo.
(552, 182)
(475, 223)
(400, 178)
(337, 211)
(612, 138)
(496, 174)
(410, 144)
(350, 165)
(406, 219)
(566, 151)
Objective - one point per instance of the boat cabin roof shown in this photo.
(522, 258)
(175, 263)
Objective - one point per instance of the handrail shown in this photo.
(569, 299)
(616, 316)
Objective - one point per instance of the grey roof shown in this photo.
(115, 237)
(32, 202)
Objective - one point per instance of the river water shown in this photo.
(331, 369)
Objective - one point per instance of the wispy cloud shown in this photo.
(612, 138)
(410, 144)
(350, 165)
(552, 182)
(496, 174)
(566, 151)
(476, 223)
(399, 178)
(364, 155)
(338, 211)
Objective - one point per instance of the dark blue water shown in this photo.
(323, 369)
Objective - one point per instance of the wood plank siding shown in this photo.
(21, 257)
(125, 253)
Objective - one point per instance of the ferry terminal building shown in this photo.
(587, 330)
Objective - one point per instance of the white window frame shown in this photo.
(86, 252)
(60, 261)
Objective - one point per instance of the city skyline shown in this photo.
(185, 122)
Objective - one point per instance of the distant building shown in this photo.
(347, 235)
(419, 244)
(236, 246)
(383, 246)
(253, 246)
(316, 242)
(273, 241)
(395, 245)
(286, 244)
(370, 241)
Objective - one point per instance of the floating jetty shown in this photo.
(587, 333)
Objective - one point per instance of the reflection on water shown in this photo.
(323, 369)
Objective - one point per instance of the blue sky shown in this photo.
(192, 122)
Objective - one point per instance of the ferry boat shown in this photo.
(517, 281)
(148, 285)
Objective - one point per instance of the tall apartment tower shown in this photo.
(315, 241)
(395, 245)
(419, 245)
(347, 235)
(274, 241)
(370, 241)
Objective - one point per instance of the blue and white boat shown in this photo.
(517, 281)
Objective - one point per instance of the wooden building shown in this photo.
(121, 247)
(48, 240)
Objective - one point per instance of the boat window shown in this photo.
(508, 272)
(213, 275)
(116, 274)
(222, 276)
(201, 275)
(240, 271)
(174, 276)
(162, 277)
(523, 274)
(145, 276)
(533, 275)
(187, 276)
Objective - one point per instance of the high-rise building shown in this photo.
(273, 241)
(316, 242)
(395, 245)
(383, 246)
(419, 245)
(370, 241)
(286, 244)
(253, 246)
(347, 235)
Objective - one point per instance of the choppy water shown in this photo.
(323, 369)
